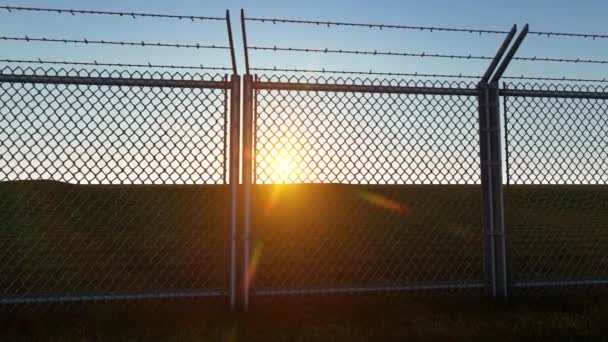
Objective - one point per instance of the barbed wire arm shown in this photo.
(244, 33)
(501, 51)
(231, 42)
(512, 51)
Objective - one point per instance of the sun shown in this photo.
(283, 167)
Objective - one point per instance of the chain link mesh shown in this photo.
(112, 190)
(556, 206)
(407, 209)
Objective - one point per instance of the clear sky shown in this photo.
(556, 15)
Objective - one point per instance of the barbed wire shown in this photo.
(561, 79)
(592, 36)
(133, 15)
(370, 72)
(109, 42)
(417, 74)
(126, 65)
(422, 54)
(369, 52)
(375, 26)
(560, 60)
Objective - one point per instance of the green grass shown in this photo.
(77, 239)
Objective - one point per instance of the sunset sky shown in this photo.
(288, 157)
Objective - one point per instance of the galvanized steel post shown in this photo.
(235, 133)
(247, 155)
(491, 183)
(494, 135)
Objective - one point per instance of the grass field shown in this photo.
(77, 239)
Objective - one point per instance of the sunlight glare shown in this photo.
(283, 167)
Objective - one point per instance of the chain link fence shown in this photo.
(371, 187)
(113, 184)
(556, 203)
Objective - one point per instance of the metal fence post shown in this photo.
(235, 133)
(488, 245)
(491, 181)
(495, 165)
(247, 182)
(505, 120)
(498, 203)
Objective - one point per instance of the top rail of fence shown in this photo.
(365, 85)
(589, 91)
(113, 78)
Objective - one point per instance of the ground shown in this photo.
(444, 319)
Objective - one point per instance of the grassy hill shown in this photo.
(83, 239)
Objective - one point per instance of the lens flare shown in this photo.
(273, 199)
(384, 202)
(254, 262)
